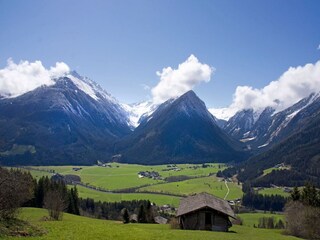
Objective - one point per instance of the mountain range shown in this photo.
(75, 121)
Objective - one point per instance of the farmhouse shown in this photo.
(204, 212)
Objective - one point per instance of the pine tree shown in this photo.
(142, 215)
(295, 195)
(125, 215)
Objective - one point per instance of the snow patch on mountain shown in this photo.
(90, 87)
(83, 87)
(138, 111)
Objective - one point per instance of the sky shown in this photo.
(147, 49)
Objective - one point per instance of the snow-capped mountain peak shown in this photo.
(90, 87)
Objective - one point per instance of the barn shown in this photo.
(204, 212)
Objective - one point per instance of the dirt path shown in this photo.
(225, 182)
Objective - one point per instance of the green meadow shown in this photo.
(118, 177)
(83, 228)
(209, 184)
(274, 191)
(159, 199)
(122, 176)
(251, 219)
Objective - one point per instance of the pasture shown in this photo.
(76, 227)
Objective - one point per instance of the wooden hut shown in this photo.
(204, 212)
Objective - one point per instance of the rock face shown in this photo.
(180, 130)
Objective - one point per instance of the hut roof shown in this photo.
(202, 200)
(160, 220)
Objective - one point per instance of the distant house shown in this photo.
(154, 175)
(68, 179)
(204, 212)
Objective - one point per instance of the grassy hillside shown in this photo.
(75, 227)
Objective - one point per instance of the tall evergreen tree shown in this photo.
(142, 215)
(295, 195)
(125, 215)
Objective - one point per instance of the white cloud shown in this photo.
(16, 79)
(318, 47)
(175, 82)
(296, 83)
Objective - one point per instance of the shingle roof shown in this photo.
(201, 200)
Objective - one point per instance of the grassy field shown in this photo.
(112, 178)
(206, 184)
(250, 219)
(274, 191)
(117, 197)
(117, 177)
(75, 227)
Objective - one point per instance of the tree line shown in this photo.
(18, 188)
(142, 209)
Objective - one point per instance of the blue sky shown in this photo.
(122, 44)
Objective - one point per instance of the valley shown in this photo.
(114, 182)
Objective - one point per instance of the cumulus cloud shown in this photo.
(293, 85)
(16, 79)
(175, 82)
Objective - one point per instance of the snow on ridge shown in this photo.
(222, 113)
(90, 87)
(263, 145)
(138, 110)
(247, 139)
(83, 87)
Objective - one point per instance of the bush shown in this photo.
(302, 220)
(56, 203)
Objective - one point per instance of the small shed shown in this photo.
(205, 212)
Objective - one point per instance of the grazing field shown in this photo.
(274, 191)
(250, 219)
(76, 227)
(118, 177)
(206, 184)
(122, 176)
(117, 197)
